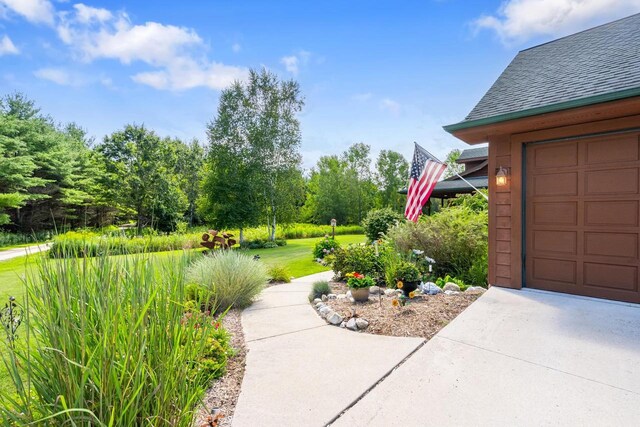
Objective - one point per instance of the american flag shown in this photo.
(425, 172)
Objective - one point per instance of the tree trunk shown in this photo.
(272, 237)
(241, 237)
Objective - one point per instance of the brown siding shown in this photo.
(501, 249)
(505, 204)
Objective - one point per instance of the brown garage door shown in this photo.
(582, 211)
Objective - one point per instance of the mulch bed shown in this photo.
(224, 392)
(422, 317)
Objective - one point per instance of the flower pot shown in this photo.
(409, 287)
(360, 294)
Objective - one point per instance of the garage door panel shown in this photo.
(622, 277)
(564, 242)
(555, 270)
(556, 184)
(562, 213)
(611, 213)
(582, 217)
(613, 149)
(555, 155)
(620, 181)
(623, 245)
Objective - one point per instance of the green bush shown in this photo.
(318, 289)
(233, 278)
(12, 239)
(75, 244)
(407, 272)
(107, 342)
(262, 244)
(360, 258)
(324, 247)
(278, 273)
(441, 281)
(378, 221)
(456, 238)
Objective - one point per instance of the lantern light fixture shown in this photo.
(501, 176)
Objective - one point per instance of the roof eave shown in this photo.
(581, 102)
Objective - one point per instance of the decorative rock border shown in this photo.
(360, 324)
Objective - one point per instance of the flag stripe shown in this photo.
(425, 172)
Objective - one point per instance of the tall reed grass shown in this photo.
(106, 342)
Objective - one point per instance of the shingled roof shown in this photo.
(596, 65)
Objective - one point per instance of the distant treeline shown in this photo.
(248, 172)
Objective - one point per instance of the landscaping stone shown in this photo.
(475, 289)
(388, 292)
(325, 298)
(450, 286)
(342, 296)
(319, 305)
(361, 323)
(351, 324)
(349, 293)
(374, 290)
(343, 324)
(430, 288)
(450, 292)
(332, 296)
(334, 318)
(317, 300)
(352, 300)
(324, 311)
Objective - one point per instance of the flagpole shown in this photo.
(454, 171)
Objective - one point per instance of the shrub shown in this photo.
(262, 244)
(378, 221)
(279, 273)
(12, 239)
(407, 272)
(113, 346)
(456, 238)
(233, 278)
(318, 289)
(75, 244)
(360, 258)
(441, 281)
(325, 247)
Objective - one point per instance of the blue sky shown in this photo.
(386, 73)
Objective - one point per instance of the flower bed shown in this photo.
(421, 316)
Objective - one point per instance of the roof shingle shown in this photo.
(598, 61)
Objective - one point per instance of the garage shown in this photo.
(582, 204)
(563, 126)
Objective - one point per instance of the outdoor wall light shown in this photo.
(501, 176)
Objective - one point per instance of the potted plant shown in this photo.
(408, 277)
(359, 285)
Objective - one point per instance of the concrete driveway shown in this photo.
(517, 358)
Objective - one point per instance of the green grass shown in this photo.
(296, 256)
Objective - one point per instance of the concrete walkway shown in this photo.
(525, 358)
(302, 372)
(18, 252)
(518, 358)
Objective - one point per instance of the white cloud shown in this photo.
(175, 53)
(520, 20)
(87, 14)
(292, 63)
(7, 47)
(36, 11)
(236, 47)
(390, 105)
(56, 75)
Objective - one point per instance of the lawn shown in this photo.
(297, 255)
